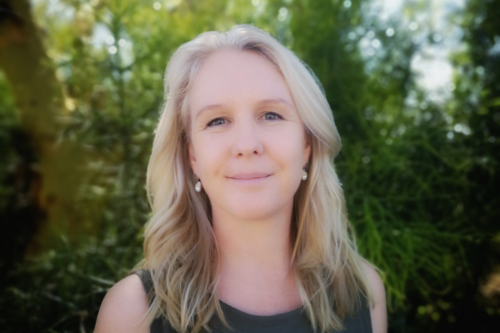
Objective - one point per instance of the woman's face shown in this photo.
(248, 144)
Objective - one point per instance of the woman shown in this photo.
(249, 230)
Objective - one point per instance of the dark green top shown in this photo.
(295, 321)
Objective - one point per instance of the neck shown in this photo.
(255, 256)
(262, 244)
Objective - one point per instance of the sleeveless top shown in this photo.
(295, 321)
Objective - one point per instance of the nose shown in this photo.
(247, 141)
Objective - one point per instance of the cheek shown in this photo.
(209, 152)
(290, 148)
(288, 152)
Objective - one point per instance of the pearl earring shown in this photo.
(197, 186)
(304, 174)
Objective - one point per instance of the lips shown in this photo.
(248, 176)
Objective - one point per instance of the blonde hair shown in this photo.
(180, 248)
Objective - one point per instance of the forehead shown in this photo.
(232, 76)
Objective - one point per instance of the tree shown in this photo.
(52, 178)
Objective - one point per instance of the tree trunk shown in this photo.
(40, 101)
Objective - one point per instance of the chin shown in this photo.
(254, 214)
(255, 208)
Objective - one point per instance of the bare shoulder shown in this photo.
(124, 308)
(378, 310)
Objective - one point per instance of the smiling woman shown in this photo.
(250, 150)
(249, 230)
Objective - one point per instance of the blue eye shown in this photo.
(274, 116)
(215, 122)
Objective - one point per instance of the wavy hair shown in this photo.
(180, 248)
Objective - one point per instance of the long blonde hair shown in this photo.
(180, 248)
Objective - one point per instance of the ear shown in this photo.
(192, 158)
(307, 149)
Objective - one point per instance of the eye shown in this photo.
(216, 121)
(272, 116)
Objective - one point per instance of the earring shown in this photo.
(304, 174)
(197, 186)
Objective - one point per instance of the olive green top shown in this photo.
(295, 321)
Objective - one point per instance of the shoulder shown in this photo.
(378, 310)
(124, 308)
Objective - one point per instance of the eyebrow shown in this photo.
(258, 104)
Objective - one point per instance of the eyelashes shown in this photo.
(221, 121)
(215, 122)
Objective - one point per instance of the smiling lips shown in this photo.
(249, 176)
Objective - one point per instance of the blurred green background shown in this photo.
(415, 90)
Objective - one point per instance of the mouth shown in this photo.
(249, 176)
(250, 179)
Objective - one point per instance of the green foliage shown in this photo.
(62, 289)
(414, 194)
(402, 177)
